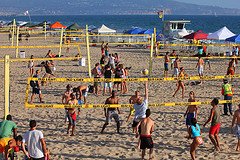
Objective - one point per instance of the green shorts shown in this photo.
(96, 84)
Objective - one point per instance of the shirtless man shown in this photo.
(166, 61)
(111, 112)
(147, 127)
(214, 118)
(66, 97)
(97, 73)
(173, 54)
(200, 66)
(72, 116)
(236, 120)
(176, 65)
(133, 100)
(82, 91)
(36, 88)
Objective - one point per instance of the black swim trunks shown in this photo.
(146, 142)
(135, 124)
(36, 90)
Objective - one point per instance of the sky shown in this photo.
(221, 3)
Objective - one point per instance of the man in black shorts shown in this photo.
(147, 127)
(36, 87)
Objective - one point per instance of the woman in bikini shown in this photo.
(194, 133)
(180, 83)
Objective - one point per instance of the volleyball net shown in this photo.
(146, 79)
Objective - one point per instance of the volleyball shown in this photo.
(145, 72)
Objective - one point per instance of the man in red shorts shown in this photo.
(214, 118)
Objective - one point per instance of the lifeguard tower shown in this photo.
(171, 29)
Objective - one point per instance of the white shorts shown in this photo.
(85, 92)
(107, 85)
(175, 71)
(234, 64)
(200, 70)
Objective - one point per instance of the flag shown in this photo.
(161, 14)
(26, 13)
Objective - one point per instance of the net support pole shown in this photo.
(88, 52)
(45, 30)
(13, 30)
(151, 55)
(155, 41)
(79, 50)
(17, 42)
(6, 85)
(27, 92)
(155, 35)
(60, 45)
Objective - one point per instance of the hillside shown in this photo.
(108, 7)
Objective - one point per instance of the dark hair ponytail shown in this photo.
(194, 122)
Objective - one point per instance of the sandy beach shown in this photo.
(88, 143)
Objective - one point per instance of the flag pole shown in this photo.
(6, 85)
(17, 42)
(13, 30)
(60, 45)
(29, 18)
(27, 13)
(88, 52)
(163, 15)
(45, 30)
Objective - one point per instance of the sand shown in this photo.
(170, 129)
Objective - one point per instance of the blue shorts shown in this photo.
(165, 66)
(106, 53)
(189, 117)
(207, 61)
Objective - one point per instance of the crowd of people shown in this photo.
(192, 110)
(143, 125)
(33, 145)
(201, 64)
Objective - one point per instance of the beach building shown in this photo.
(172, 29)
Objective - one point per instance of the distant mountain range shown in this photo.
(108, 7)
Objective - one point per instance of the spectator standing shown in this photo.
(7, 127)
(34, 140)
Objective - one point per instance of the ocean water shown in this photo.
(208, 24)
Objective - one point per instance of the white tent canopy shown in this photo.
(104, 29)
(183, 32)
(221, 34)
